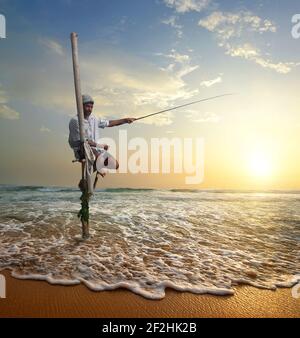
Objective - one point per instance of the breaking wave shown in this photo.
(149, 240)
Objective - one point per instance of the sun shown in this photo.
(260, 165)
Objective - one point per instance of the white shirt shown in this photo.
(91, 131)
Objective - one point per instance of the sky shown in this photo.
(141, 56)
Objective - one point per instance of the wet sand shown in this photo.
(28, 298)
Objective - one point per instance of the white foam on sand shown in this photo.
(147, 242)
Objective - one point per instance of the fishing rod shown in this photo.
(183, 105)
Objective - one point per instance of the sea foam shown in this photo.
(150, 240)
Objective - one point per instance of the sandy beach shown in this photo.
(28, 298)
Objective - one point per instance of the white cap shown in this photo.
(87, 99)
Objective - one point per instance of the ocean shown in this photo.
(147, 240)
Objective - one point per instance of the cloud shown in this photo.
(51, 82)
(131, 84)
(180, 66)
(8, 113)
(199, 117)
(171, 21)
(52, 46)
(141, 94)
(44, 130)
(5, 111)
(210, 83)
(121, 83)
(183, 6)
(228, 25)
(180, 58)
(249, 52)
(185, 70)
(229, 28)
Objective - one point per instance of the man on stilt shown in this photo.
(88, 151)
(91, 126)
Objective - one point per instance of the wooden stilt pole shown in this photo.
(84, 211)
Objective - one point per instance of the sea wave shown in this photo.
(150, 240)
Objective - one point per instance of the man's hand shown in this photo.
(105, 146)
(130, 119)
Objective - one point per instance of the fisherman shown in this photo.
(91, 125)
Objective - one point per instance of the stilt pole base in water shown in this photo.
(85, 230)
(84, 211)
